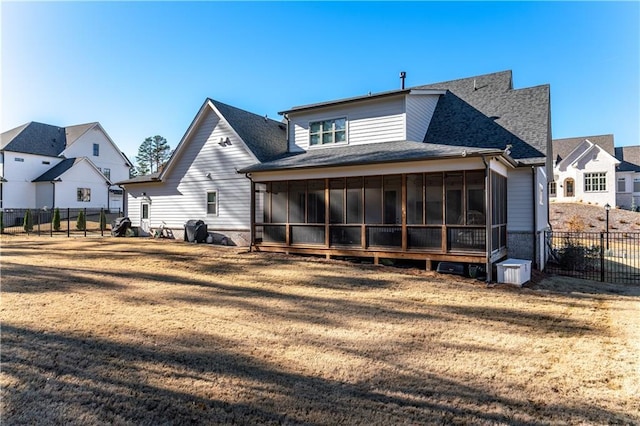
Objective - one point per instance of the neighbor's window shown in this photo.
(84, 195)
(328, 131)
(595, 182)
(636, 185)
(622, 185)
(96, 150)
(19, 159)
(212, 202)
(46, 162)
(552, 189)
(107, 173)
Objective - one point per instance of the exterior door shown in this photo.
(145, 223)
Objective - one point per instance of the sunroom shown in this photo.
(398, 201)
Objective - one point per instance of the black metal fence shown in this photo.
(66, 221)
(612, 257)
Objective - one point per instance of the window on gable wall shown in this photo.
(96, 150)
(212, 202)
(328, 131)
(594, 182)
(84, 195)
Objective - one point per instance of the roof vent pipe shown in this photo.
(403, 75)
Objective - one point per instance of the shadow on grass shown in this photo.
(62, 379)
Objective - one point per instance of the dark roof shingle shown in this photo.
(629, 157)
(35, 138)
(564, 147)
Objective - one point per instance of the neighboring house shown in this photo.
(454, 171)
(591, 170)
(628, 177)
(50, 166)
(200, 180)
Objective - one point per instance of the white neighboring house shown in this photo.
(68, 167)
(200, 180)
(628, 177)
(591, 170)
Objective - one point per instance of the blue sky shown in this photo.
(145, 68)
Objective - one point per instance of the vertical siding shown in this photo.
(420, 109)
(183, 194)
(519, 200)
(380, 120)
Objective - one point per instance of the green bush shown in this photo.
(27, 223)
(81, 223)
(103, 220)
(55, 222)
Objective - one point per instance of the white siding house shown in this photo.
(36, 157)
(453, 171)
(200, 180)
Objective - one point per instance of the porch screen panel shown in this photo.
(373, 200)
(278, 202)
(453, 185)
(297, 204)
(415, 200)
(499, 208)
(336, 201)
(392, 199)
(354, 200)
(475, 198)
(433, 198)
(315, 201)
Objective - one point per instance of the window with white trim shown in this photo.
(594, 182)
(107, 173)
(636, 185)
(96, 150)
(328, 131)
(552, 189)
(84, 195)
(212, 202)
(622, 184)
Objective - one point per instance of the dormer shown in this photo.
(400, 115)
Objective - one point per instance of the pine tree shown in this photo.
(27, 223)
(81, 222)
(55, 222)
(152, 154)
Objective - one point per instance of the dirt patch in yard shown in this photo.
(142, 331)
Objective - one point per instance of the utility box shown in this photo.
(514, 271)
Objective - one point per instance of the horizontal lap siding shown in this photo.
(519, 200)
(183, 194)
(368, 122)
(420, 109)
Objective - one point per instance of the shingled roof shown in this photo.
(564, 147)
(266, 138)
(629, 157)
(486, 112)
(35, 138)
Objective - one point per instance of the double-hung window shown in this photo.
(84, 195)
(212, 202)
(622, 185)
(636, 185)
(594, 182)
(552, 189)
(96, 150)
(328, 132)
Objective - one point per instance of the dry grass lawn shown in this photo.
(141, 331)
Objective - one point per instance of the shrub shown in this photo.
(103, 220)
(27, 223)
(576, 224)
(81, 222)
(55, 222)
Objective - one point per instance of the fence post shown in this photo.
(39, 220)
(602, 256)
(85, 221)
(100, 222)
(68, 221)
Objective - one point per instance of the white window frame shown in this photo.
(107, 173)
(321, 133)
(83, 195)
(595, 182)
(553, 189)
(96, 150)
(636, 184)
(215, 203)
(624, 184)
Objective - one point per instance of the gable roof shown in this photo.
(266, 138)
(486, 112)
(35, 138)
(629, 157)
(383, 152)
(73, 133)
(59, 169)
(563, 147)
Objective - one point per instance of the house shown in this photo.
(590, 169)
(200, 180)
(49, 166)
(453, 171)
(628, 177)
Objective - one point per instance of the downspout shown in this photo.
(535, 217)
(488, 219)
(252, 219)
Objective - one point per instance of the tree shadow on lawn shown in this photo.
(53, 378)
